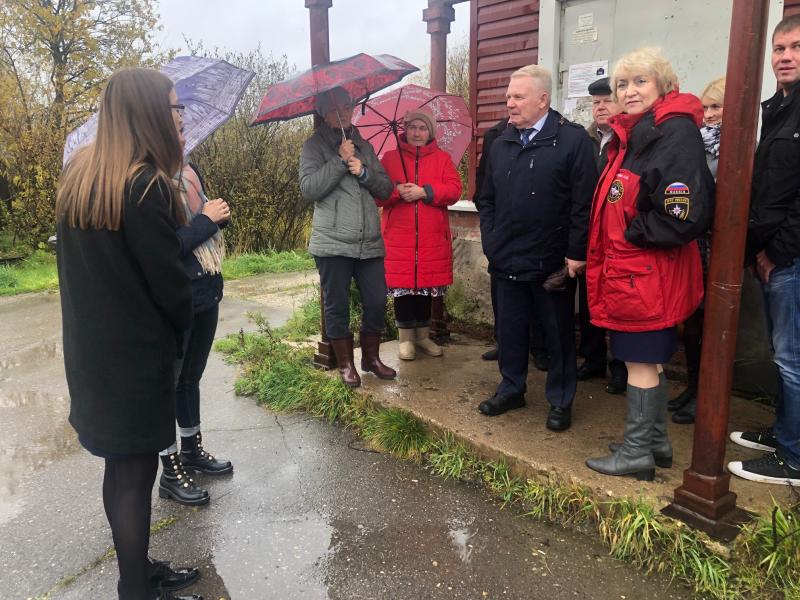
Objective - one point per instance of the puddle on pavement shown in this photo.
(461, 538)
(46, 351)
(34, 432)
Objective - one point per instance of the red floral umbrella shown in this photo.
(380, 120)
(361, 75)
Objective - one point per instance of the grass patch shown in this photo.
(36, 273)
(762, 563)
(253, 263)
(305, 321)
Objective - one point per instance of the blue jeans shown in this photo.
(782, 302)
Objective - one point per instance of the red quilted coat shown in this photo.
(417, 234)
(655, 197)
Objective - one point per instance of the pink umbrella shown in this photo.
(380, 119)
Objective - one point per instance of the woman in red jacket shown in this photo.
(643, 274)
(416, 230)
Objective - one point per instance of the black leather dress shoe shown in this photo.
(590, 371)
(617, 384)
(682, 399)
(559, 418)
(490, 354)
(685, 415)
(163, 577)
(497, 404)
(541, 360)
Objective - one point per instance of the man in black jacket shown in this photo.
(534, 212)
(541, 360)
(773, 242)
(593, 339)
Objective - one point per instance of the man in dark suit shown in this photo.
(534, 212)
(593, 339)
(539, 353)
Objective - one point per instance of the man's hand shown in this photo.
(764, 266)
(347, 150)
(575, 267)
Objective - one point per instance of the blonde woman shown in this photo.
(125, 301)
(643, 271)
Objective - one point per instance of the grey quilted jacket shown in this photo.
(346, 221)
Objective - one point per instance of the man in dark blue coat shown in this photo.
(534, 213)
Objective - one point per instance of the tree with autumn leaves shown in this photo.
(55, 56)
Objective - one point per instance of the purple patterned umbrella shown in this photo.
(209, 88)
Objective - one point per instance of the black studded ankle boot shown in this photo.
(175, 483)
(193, 456)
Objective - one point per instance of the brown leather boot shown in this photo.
(343, 349)
(370, 361)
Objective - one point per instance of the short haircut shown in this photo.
(540, 74)
(715, 91)
(647, 61)
(786, 25)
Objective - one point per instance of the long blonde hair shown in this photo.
(135, 129)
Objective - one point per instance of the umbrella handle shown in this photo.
(400, 151)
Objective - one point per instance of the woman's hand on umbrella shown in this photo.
(410, 192)
(217, 210)
(347, 150)
(354, 166)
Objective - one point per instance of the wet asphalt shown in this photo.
(309, 513)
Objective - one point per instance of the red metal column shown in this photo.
(438, 16)
(320, 53)
(705, 500)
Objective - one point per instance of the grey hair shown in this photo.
(541, 75)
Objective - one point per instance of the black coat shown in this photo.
(489, 136)
(125, 301)
(775, 202)
(535, 202)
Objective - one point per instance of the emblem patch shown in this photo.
(677, 206)
(615, 191)
(677, 189)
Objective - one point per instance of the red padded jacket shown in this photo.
(655, 197)
(419, 253)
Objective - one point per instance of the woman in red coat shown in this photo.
(416, 230)
(643, 270)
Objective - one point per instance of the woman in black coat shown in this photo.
(125, 302)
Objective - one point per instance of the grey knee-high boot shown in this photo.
(661, 447)
(634, 456)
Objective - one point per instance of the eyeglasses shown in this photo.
(179, 107)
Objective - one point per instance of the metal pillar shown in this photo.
(324, 358)
(704, 500)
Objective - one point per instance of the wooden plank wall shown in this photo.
(791, 7)
(504, 36)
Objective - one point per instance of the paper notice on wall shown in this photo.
(582, 74)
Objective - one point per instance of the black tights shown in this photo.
(127, 486)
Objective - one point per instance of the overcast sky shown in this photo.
(281, 26)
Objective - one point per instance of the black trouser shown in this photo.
(518, 302)
(127, 488)
(692, 344)
(197, 346)
(593, 339)
(538, 342)
(335, 274)
(412, 311)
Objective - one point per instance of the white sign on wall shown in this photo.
(582, 74)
